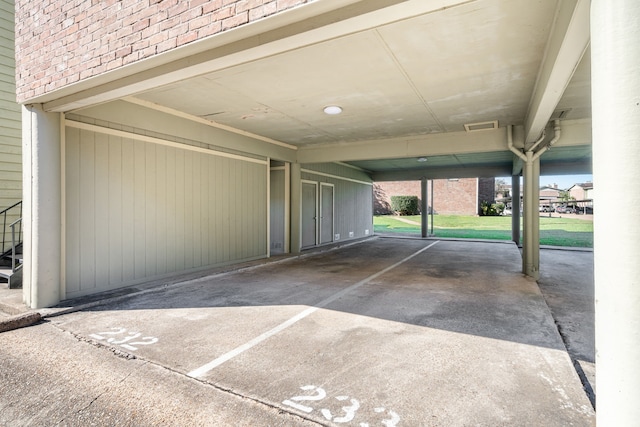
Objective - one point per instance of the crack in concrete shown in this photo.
(586, 385)
(128, 356)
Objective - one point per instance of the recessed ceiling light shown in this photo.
(332, 110)
(422, 159)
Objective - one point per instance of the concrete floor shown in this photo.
(567, 283)
(386, 332)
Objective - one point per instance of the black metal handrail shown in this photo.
(15, 243)
(5, 230)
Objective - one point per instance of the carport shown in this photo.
(477, 88)
(384, 331)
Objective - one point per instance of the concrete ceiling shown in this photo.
(416, 77)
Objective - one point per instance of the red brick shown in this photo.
(53, 35)
(140, 25)
(123, 51)
(179, 30)
(262, 11)
(130, 58)
(194, 3)
(116, 63)
(235, 21)
(213, 28)
(166, 45)
(179, 8)
(199, 23)
(288, 4)
(211, 6)
(244, 5)
(451, 196)
(186, 38)
(222, 14)
(191, 14)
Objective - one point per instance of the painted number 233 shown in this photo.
(348, 411)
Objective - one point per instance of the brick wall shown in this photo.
(382, 192)
(455, 196)
(451, 196)
(486, 190)
(59, 42)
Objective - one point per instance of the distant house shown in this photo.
(549, 194)
(582, 191)
(450, 196)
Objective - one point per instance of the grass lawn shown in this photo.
(553, 231)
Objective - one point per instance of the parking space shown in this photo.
(387, 332)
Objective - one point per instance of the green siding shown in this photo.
(353, 201)
(10, 115)
(137, 210)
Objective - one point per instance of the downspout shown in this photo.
(510, 144)
(542, 136)
(522, 156)
(556, 137)
(529, 260)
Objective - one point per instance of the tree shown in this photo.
(501, 187)
(565, 196)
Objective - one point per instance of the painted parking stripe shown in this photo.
(196, 373)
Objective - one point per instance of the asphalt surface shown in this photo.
(389, 332)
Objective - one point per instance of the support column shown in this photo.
(296, 208)
(531, 233)
(432, 199)
(615, 37)
(515, 209)
(42, 207)
(424, 207)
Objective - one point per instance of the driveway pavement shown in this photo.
(389, 332)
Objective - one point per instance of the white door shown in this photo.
(309, 213)
(326, 213)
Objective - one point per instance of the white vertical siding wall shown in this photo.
(10, 114)
(353, 197)
(277, 207)
(137, 210)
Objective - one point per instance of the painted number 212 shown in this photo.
(125, 339)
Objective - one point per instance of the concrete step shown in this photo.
(14, 278)
(6, 272)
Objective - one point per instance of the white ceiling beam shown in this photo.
(574, 133)
(442, 173)
(566, 168)
(306, 25)
(567, 43)
(417, 146)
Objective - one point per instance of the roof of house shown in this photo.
(584, 185)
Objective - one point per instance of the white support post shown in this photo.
(535, 214)
(531, 233)
(296, 208)
(432, 199)
(515, 209)
(42, 208)
(287, 207)
(424, 210)
(615, 37)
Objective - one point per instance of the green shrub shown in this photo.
(405, 205)
(491, 209)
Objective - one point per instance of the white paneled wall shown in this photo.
(135, 210)
(353, 197)
(10, 115)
